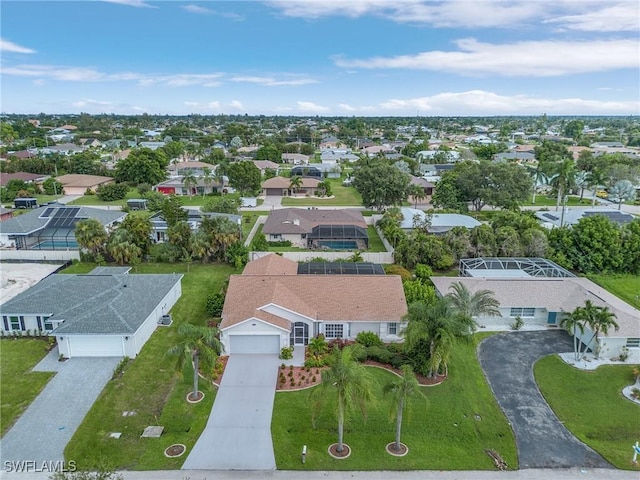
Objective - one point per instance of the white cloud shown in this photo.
(7, 46)
(310, 107)
(615, 18)
(198, 9)
(132, 3)
(236, 105)
(530, 58)
(481, 102)
(272, 82)
(347, 107)
(91, 102)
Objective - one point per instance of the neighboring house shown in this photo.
(338, 155)
(262, 165)
(540, 299)
(435, 170)
(331, 143)
(21, 154)
(281, 186)
(52, 227)
(440, 223)
(571, 216)
(64, 149)
(271, 306)
(91, 143)
(176, 186)
(197, 168)
(343, 229)
(105, 313)
(317, 170)
(26, 177)
(5, 214)
(194, 218)
(426, 186)
(75, 184)
(152, 145)
(518, 157)
(295, 158)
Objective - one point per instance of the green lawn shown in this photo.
(248, 221)
(342, 196)
(18, 384)
(375, 243)
(591, 406)
(625, 286)
(441, 434)
(150, 387)
(544, 201)
(94, 200)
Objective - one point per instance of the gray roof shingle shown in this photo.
(30, 222)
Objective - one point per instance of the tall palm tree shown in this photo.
(198, 345)
(90, 234)
(434, 329)
(418, 194)
(207, 178)
(574, 323)
(402, 388)
(352, 383)
(602, 322)
(581, 181)
(598, 319)
(564, 178)
(471, 305)
(597, 178)
(295, 184)
(540, 177)
(189, 180)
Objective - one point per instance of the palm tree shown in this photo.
(596, 180)
(295, 184)
(90, 234)
(418, 194)
(582, 181)
(574, 323)
(352, 383)
(402, 388)
(540, 177)
(564, 178)
(317, 345)
(598, 319)
(122, 247)
(434, 329)
(207, 178)
(197, 344)
(471, 305)
(602, 322)
(189, 180)
(219, 174)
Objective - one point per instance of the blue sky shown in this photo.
(329, 57)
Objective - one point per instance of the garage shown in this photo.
(255, 344)
(95, 346)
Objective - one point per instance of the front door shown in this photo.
(552, 318)
(299, 334)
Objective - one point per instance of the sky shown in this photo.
(326, 58)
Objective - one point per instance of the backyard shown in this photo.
(624, 286)
(449, 430)
(150, 387)
(18, 384)
(592, 407)
(342, 196)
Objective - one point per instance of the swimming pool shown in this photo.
(56, 245)
(339, 244)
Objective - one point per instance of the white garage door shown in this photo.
(95, 346)
(255, 344)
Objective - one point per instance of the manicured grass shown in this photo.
(442, 432)
(342, 196)
(544, 201)
(248, 221)
(19, 385)
(626, 287)
(375, 243)
(151, 388)
(94, 200)
(592, 407)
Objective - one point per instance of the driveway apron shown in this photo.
(542, 440)
(238, 432)
(46, 426)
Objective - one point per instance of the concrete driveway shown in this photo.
(45, 428)
(542, 440)
(238, 432)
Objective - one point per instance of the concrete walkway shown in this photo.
(542, 440)
(45, 428)
(238, 432)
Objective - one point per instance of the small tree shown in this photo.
(402, 388)
(196, 345)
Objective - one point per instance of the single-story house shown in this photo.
(281, 186)
(518, 157)
(52, 227)
(21, 154)
(422, 183)
(5, 214)
(26, 177)
(271, 306)
(544, 301)
(105, 313)
(262, 165)
(440, 223)
(331, 143)
(194, 218)
(317, 170)
(338, 155)
(295, 158)
(195, 167)
(152, 145)
(76, 184)
(176, 186)
(573, 215)
(343, 229)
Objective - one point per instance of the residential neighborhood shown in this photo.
(303, 240)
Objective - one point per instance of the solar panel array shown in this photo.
(340, 268)
(618, 217)
(64, 218)
(47, 213)
(550, 216)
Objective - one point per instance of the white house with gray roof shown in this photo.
(105, 313)
(439, 223)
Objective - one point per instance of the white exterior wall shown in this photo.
(357, 327)
(505, 320)
(295, 239)
(252, 327)
(612, 347)
(389, 338)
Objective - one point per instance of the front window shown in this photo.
(275, 236)
(48, 324)
(392, 328)
(633, 342)
(522, 312)
(15, 323)
(334, 330)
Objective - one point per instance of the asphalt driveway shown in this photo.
(238, 432)
(44, 429)
(542, 440)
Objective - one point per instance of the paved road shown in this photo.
(238, 432)
(45, 428)
(543, 442)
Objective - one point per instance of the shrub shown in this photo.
(112, 191)
(398, 270)
(315, 362)
(259, 243)
(339, 343)
(215, 302)
(399, 360)
(143, 188)
(368, 339)
(423, 272)
(281, 243)
(517, 324)
(379, 354)
(635, 393)
(286, 353)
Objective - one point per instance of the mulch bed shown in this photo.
(422, 380)
(346, 450)
(175, 450)
(296, 378)
(391, 448)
